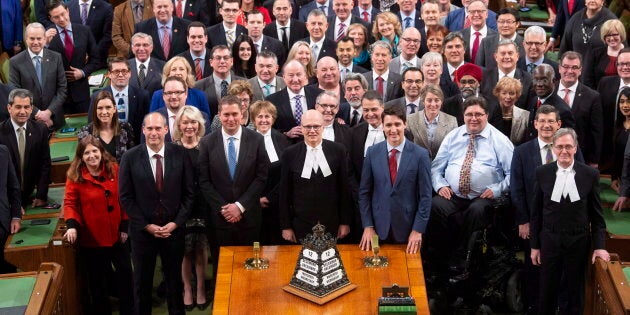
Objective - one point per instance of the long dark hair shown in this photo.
(96, 123)
(250, 72)
(621, 118)
(107, 161)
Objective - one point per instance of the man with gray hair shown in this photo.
(477, 10)
(327, 103)
(266, 82)
(317, 24)
(535, 42)
(146, 72)
(355, 85)
(410, 43)
(381, 79)
(40, 70)
(506, 56)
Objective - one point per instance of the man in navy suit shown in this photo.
(79, 54)
(534, 42)
(169, 30)
(456, 20)
(326, 6)
(342, 8)
(156, 191)
(98, 16)
(198, 56)
(10, 214)
(132, 103)
(146, 72)
(255, 25)
(394, 198)
(454, 52)
(366, 11)
(284, 28)
(226, 32)
(320, 45)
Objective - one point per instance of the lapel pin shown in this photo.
(175, 30)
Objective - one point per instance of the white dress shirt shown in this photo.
(374, 136)
(483, 31)
(287, 30)
(302, 100)
(153, 161)
(562, 92)
(543, 151)
(329, 133)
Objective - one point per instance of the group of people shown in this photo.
(233, 122)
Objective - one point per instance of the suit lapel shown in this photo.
(146, 164)
(243, 151)
(405, 160)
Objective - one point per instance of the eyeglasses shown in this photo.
(567, 147)
(574, 68)
(174, 93)
(506, 21)
(623, 64)
(312, 127)
(410, 81)
(534, 43)
(415, 41)
(548, 121)
(468, 82)
(244, 100)
(218, 58)
(474, 115)
(474, 12)
(611, 35)
(119, 72)
(327, 106)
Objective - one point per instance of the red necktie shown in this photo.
(69, 46)
(566, 98)
(393, 165)
(198, 72)
(379, 86)
(166, 41)
(159, 173)
(365, 17)
(178, 9)
(571, 4)
(475, 47)
(538, 103)
(467, 21)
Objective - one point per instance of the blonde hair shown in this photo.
(310, 69)
(166, 71)
(508, 84)
(388, 17)
(192, 113)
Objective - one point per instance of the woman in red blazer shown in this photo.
(97, 223)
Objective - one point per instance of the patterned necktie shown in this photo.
(138, 13)
(68, 45)
(475, 47)
(267, 89)
(549, 156)
(365, 17)
(166, 41)
(84, 13)
(285, 38)
(355, 118)
(467, 21)
(342, 32)
(178, 9)
(229, 37)
(298, 109)
(531, 67)
(407, 22)
(393, 165)
(379, 86)
(122, 111)
(464, 173)
(412, 108)
(566, 97)
(141, 75)
(21, 150)
(38, 69)
(198, 71)
(231, 157)
(224, 88)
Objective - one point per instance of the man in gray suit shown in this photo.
(266, 82)
(381, 79)
(146, 72)
(41, 71)
(10, 203)
(412, 83)
(410, 43)
(508, 22)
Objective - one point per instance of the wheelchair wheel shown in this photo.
(514, 292)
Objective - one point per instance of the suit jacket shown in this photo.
(217, 34)
(85, 57)
(207, 86)
(307, 8)
(123, 26)
(286, 119)
(196, 10)
(403, 206)
(139, 196)
(297, 31)
(178, 41)
(280, 143)
(36, 157)
(5, 89)
(359, 135)
(248, 184)
(301, 203)
(259, 95)
(207, 68)
(595, 63)
(355, 11)
(99, 20)
(589, 125)
(491, 77)
(153, 75)
(10, 204)
(42, 14)
(273, 45)
(608, 90)
(328, 48)
(487, 47)
(521, 65)
(51, 94)
(417, 127)
(585, 213)
(466, 34)
(565, 113)
(138, 107)
(393, 86)
(343, 135)
(330, 32)
(345, 113)
(167, 138)
(394, 65)
(455, 20)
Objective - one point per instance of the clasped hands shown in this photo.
(161, 231)
(231, 213)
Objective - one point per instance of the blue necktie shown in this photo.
(122, 113)
(38, 69)
(231, 156)
(267, 88)
(407, 22)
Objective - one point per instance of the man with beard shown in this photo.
(266, 82)
(354, 86)
(468, 78)
(412, 83)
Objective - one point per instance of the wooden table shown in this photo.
(31, 293)
(611, 292)
(240, 291)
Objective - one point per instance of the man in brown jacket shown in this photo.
(126, 15)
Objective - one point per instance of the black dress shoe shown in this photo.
(203, 306)
(190, 307)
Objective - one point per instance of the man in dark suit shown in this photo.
(27, 141)
(98, 16)
(566, 221)
(341, 20)
(345, 53)
(478, 29)
(394, 198)
(381, 79)
(325, 6)
(146, 72)
(5, 89)
(454, 52)
(132, 103)
(293, 100)
(544, 86)
(355, 85)
(320, 45)
(255, 25)
(430, 17)
(366, 134)
(456, 20)
(327, 104)
(169, 30)
(506, 56)
(412, 83)
(310, 171)
(232, 181)
(285, 29)
(42, 13)
(10, 213)
(215, 86)
(193, 11)
(585, 105)
(49, 93)
(534, 54)
(198, 56)
(78, 52)
(226, 32)
(410, 43)
(508, 21)
(266, 82)
(409, 15)
(365, 11)
(327, 73)
(156, 191)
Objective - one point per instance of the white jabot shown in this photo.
(315, 159)
(565, 185)
(374, 136)
(271, 150)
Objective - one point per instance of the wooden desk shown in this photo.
(240, 291)
(44, 243)
(611, 292)
(33, 292)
